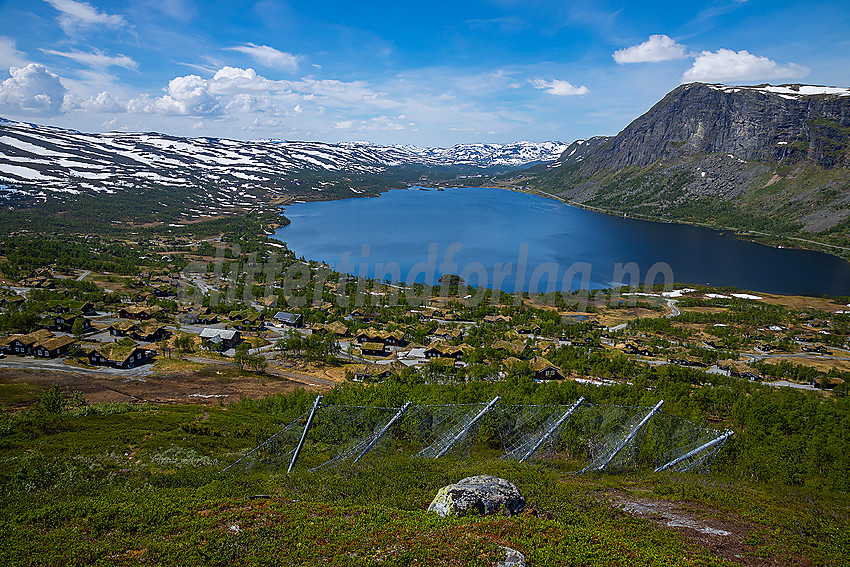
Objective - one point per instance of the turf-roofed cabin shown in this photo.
(545, 370)
(378, 372)
(53, 347)
(120, 354)
(41, 343)
(22, 345)
(142, 313)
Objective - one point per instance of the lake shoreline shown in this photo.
(740, 233)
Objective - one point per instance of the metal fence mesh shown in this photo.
(607, 438)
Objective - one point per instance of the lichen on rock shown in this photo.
(482, 495)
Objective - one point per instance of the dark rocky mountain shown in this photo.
(772, 158)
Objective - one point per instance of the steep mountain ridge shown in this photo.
(774, 158)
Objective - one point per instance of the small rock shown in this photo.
(482, 494)
(513, 558)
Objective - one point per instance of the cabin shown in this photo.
(140, 313)
(368, 336)
(293, 320)
(149, 333)
(247, 320)
(22, 345)
(220, 338)
(448, 334)
(53, 347)
(394, 338)
(372, 349)
(121, 328)
(529, 329)
(336, 328)
(515, 348)
(125, 353)
(545, 370)
(366, 317)
(634, 348)
(441, 349)
(65, 323)
(201, 316)
(377, 372)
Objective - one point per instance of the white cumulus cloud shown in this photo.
(188, 95)
(103, 102)
(32, 90)
(268, 56)
(558, 87)
(729, 65)
(657, 48)
(74, 16)
(235, 80)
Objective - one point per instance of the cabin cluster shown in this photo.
(41, 343)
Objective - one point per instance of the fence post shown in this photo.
(469, 425)
(696, 451)
(552, 429)
(313, 411)
(386, 428)
(627, 439)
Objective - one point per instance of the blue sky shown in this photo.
(430, 74)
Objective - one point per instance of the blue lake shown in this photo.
(520, 241)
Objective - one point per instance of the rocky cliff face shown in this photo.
(766, 124)
(779, 155)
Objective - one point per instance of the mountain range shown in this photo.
(38, 162)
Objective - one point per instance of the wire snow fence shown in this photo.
(605, 438)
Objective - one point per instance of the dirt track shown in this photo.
(205, 386)
(725, 535)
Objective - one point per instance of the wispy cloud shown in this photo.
(96, 59)
(9, 55)
(558, 87)
(656, 48)
(269, 56)
(729, 65)
(74, 16)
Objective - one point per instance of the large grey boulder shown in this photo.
(482, 495)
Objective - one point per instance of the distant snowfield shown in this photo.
(20, 171)
(35, 159)
(787, 91)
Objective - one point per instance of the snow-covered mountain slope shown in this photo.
(39, 160)
(488, 155)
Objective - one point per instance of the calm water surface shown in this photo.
(525, 238)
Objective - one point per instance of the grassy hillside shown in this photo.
(118, 484)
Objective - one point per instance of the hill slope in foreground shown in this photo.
(763, 158)
(120, 484)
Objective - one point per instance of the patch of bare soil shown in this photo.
(803, 302)
(721, 534)
(203, 386)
